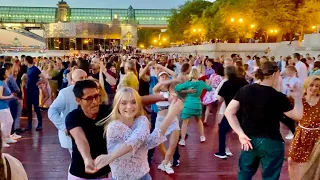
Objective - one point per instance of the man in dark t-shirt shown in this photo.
(32, 93)
(262, 108)
(87, 138)
(227, 92)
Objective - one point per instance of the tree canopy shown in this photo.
(181, 18)
(242, 19)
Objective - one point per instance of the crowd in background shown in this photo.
(252, 95)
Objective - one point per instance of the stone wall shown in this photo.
(215, 50)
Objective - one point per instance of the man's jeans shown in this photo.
(267, 152)
(15, 109)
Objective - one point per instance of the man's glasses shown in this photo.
(90, 99)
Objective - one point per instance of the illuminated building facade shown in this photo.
(63, 13)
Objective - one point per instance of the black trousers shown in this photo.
(33, 100)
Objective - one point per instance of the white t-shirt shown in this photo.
(252, 64)
(178, 68)
(290, 82)
(302, 70)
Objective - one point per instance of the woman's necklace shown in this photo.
(312, 100)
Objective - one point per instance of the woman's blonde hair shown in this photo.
(194, 74)
(308, 81)
(201, 68)
(115, 114)
(103, 94)
(312, 171)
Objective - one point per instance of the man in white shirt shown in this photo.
(178, 65)
(310, 62)
(62, 106)
(300, 66)
(251, 63)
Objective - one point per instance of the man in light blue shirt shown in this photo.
(62, 106)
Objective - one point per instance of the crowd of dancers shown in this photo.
(113, 110)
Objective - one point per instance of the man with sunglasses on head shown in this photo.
(62, 106)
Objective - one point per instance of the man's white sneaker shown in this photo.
(228, 152)
(15, 136)
(5, 145)
(202, 139)
(9, 141)
(182, 142)
(166, 167)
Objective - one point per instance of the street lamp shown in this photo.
(240, 20)
(141, 46)
(273, 31)
(252, 25)
(194, 30)
(155, 41)
(314, 27)
(199, 30)
(164, 39)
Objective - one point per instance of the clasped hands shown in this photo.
(93, 166)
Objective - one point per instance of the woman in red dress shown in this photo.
(308, 130)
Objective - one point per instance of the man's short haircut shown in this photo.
(81, 85)
(29, 59)
(296, 55)
(8, 65)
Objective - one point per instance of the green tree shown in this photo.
(146, 36)
(181, 18)
(217, 19)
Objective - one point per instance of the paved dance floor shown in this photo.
(44, 159)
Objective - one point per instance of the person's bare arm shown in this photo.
(231, 115)
(166, 70)
(142, 74)
(297, 112)
(45, 98)
(43, 77)
(4, 97)
(82, 143)
(156, 88)
(151, 99)
(110, 79)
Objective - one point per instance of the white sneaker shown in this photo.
(166, 167)
(5, 144)
(289, 136)
(182, 142)
(228, 152)
(15, 136)
(202, 139)
(10, 141)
